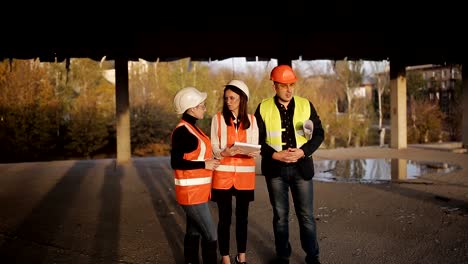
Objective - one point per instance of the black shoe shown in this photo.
(281, 260)
(313, 260)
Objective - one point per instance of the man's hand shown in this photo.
(290, 155)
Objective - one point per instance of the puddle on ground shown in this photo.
(377, 170)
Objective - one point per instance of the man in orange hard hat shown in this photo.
(287, 161)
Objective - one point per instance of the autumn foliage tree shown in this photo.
(28, 111)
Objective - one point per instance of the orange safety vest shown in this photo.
(238, 170)
(194, 186)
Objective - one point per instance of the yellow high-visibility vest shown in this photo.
(272, 119)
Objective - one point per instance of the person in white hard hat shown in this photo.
(235, 176)
(193, 164)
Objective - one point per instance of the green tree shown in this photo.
(415, 84)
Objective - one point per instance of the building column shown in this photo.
(398, 106)
(122, 111)
(465, 105)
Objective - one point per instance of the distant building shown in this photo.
(439, 83)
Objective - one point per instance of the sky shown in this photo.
(240, 64)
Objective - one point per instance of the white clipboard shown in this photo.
(246, 148)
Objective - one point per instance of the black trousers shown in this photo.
(224, 201)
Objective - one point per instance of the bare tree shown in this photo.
(381, 72)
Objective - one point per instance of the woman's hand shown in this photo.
(230, 151)
(254, 154)
(211, 164)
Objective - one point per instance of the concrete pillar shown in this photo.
(465, 105)
(123, 111)
(398, 106)
(399, 169)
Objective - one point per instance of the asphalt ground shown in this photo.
(93, 211)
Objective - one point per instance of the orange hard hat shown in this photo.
(283, 74)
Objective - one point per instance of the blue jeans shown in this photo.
(200, 222)
(303, 198)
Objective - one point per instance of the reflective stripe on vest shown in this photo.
(192, 182)
(272, 119)
(194, 186)
(235, 168)
(237, 171)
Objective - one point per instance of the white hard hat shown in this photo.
(186, 98)
(241, 85)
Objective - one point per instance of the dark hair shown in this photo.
(243, 115)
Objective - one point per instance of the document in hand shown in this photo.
(308, 128)
(246, 147)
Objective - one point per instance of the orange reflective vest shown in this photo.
(237, 170)
(194, 186)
